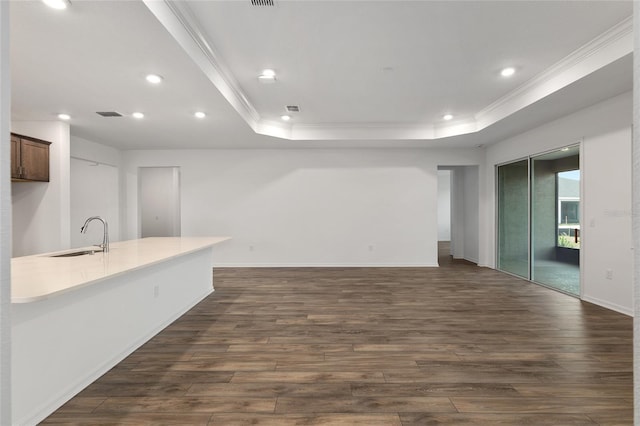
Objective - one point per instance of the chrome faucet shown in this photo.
(105, 238)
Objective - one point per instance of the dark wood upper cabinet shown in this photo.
(15, 157)
(29, 159)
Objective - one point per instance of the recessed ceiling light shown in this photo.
(200, 114)
(285, 117)
(447, 117)
(508, 72)
(64, 116)
(267, 76)
(138, 115)
(564, 149)
(154, 78)
(57, 4)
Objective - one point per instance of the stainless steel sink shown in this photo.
(77, 253)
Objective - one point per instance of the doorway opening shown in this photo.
(458, 211)
(159, 201)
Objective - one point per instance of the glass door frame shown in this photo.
(497, 215)
(529, 159)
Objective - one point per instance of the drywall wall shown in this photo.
(636, 216)
(5, 219)
(444, 205)
(95, 190)
(159, 195)
(307, 207)
(465, 214)
(606, 226)
(41, 210)
(604, 131)
(471, 213)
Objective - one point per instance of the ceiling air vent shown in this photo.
(293, 108)
(262, 2)
(109, 113)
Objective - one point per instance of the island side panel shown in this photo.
(62, 344)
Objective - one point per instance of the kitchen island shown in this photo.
(74, 318)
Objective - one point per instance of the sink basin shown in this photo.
(77, 253)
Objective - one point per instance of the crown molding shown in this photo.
(180, 22)
(609, 46)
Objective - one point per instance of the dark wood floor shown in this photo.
(456, 345)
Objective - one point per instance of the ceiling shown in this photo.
(364, 73)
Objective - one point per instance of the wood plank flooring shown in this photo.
(455, 345)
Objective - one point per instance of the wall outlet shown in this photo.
(156, 291)
(250, 248)
(609, 274)
(371, 248)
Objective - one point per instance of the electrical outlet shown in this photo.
(250, 248)
(156, 291)
(371, 248)
(609, 274)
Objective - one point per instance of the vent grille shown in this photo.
(109, 113)
(262, 2)
(293, 108)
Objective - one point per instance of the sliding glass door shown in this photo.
(555, 220)
(539, 219)
(513, 218)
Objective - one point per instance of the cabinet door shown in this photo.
(15, 157)
(35, 161)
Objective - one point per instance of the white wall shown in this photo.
(41, 210)
(5, 219)
(471, 216)
(307, 207)
(457, 212)
(605, 132)
(607, 220)
(465, 213)
(95, 190)
(444, 205)
(159, 195)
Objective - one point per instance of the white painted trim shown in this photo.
(609, 305)
(326, 265)
(611, 45)
(181, 23)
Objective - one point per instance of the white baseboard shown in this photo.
(326, 265)
(605, 304)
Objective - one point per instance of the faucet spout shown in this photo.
(105, 237)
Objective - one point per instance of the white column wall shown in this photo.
(444, 205)
(636, 215)
(457, 213)
(465, 213)
(471, 214)
(5, 219)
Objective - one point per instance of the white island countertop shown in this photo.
(41, 276)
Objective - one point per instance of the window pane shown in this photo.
(513, 218)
